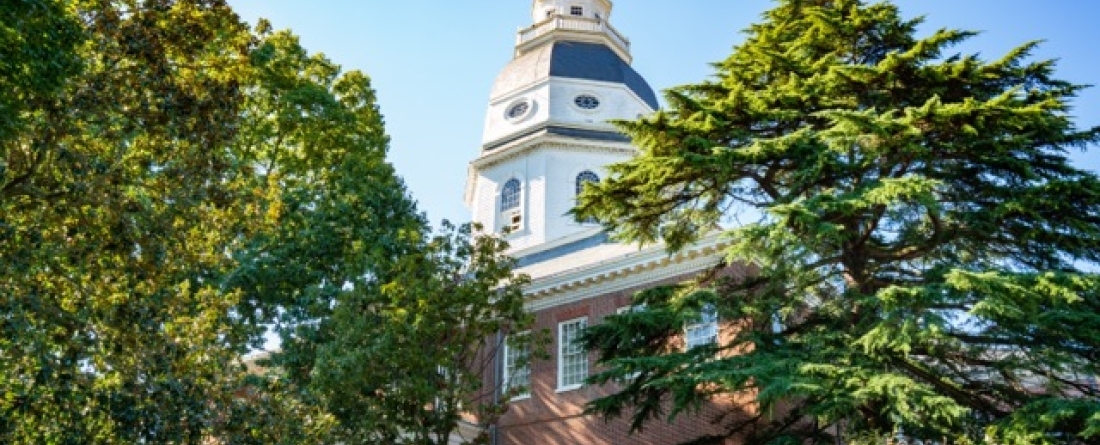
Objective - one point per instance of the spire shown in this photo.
(571, 20)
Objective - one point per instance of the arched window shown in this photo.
(511, 220)
(509, 195)
(583, 177)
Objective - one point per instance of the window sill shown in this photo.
(520, 398)
(568, 388)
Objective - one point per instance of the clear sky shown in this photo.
(433, 61)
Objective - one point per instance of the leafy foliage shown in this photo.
(38, 40)
(172, 186)
(118, 199)
(919, 241)
(383, 327)
(408, 356)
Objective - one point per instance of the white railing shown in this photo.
(570, 23)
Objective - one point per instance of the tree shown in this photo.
(407, 357)
(119, 198)
(385, 329)
(171, 186)
(38, 40)
(919, 236)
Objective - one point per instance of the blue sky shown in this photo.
(433, 61)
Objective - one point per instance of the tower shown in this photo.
(547, 127)
(547, 132)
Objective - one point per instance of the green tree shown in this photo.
(385, 329)
(119, 198)
(408, 356)
(38, 40)
(919, 239)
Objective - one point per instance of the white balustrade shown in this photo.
(570, 23)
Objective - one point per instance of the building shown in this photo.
(546, 134)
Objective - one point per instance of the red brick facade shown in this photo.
(552, 417)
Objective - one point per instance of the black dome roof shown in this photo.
(577, 60)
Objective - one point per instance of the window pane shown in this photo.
(587, 102)
(517, 369)
(585, 177)
(572, 359)
(582, 178)
(509, 195)
(705, 330)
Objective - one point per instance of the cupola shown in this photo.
(548, 130)
(572, 20)
(593, 9)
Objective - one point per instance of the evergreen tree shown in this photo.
(918, 234)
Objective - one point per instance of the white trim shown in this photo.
(702, 325)
(507, 96)
(541, 247)
(543, 140)
(561, 387)
(631, 308)
(506, 375)
(576, 176)
(519, 91)
(540, 141)
(625, 271)
(504, 217)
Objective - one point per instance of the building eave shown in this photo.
(541, 140)
(647, 265)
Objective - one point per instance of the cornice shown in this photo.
(623, 272)
(542, 247)
(535, 142)
(544, 141)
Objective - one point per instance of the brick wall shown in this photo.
(552, 417)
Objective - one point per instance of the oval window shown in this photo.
(518, 110)
(587, 101)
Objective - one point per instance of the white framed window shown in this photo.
(511, 217)
(576, 11)
(572, 358)
(704, 330)
(520, 110)
(583, 178)
(509, 195)
(634, 308)
(442, 404)
(586, 102)
(517, 366)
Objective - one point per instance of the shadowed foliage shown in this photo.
(919, 234)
